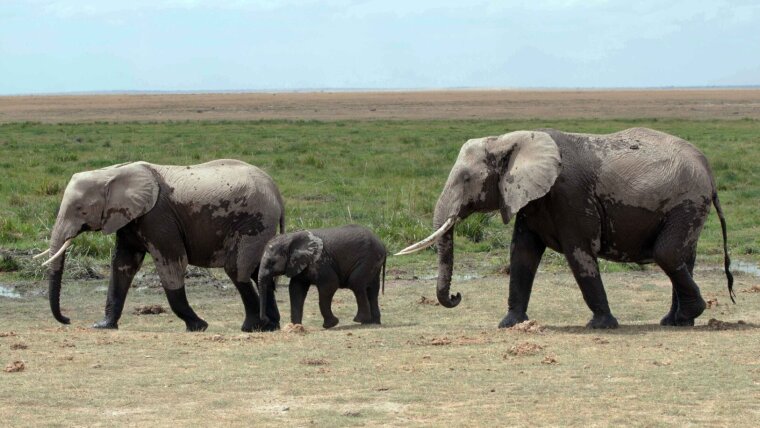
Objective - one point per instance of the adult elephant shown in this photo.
(216, 214)
(637, 195)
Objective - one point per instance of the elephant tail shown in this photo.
(384, 260)
(726, 258)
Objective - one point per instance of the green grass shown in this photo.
(384, 174)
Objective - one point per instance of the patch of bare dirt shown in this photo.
(440, 341)
(412, 105)
(216, 338)
(149, 310)
(17, 346)
(15, 367)
(753, 289)
(531, 327)
(7, 334)
(294, 328)
(524, 349)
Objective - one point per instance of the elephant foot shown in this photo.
(331, 322)
(603, 321)
(196, 325)
(363, 319)
(259, 325)
(669, 319)
(106, 325)
(687, 312)
(512, 318)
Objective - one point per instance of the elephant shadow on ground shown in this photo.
(641, 329)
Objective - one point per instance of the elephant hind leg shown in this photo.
(675, 253)
(373, 292)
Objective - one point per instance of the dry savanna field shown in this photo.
(426, 365)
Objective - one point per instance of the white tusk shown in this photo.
(65, 245)
(41, 254)
(430, 240)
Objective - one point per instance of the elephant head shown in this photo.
(288, 254)
(106, 200)
(493, 173)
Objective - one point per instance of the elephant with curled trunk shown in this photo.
(637, 195)
(216, 214)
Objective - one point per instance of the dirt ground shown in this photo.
(448, 104)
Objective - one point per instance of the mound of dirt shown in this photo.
(715, 324)
(149, 310)
(440, 341)
(14, 367)
(712, 303)
(524, 349)
(7, 333)
(753, 289)
(17, 346)
(425, 301)
(550, 359)
(294, 328)
(531, 327)
(314, 361)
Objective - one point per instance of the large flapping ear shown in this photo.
(532, 163)
(303, 251)
(131, 191)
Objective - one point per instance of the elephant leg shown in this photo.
(172, 276)
(180, 306)
(326, 293)
(586, 272)
(125, 263)
(250, 299)
(363, 313)
(373, 292)
(526, 251)
(670, 317)
(298, 290)
(675, 252)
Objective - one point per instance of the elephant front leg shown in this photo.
(525, 254)
(586, 272)
(172, 276)
(297, 291)
(126, 261)
(326, 293)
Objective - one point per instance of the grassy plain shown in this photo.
(426, 365)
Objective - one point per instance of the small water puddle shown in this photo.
(9, 292)
(746, 267)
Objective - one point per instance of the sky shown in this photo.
(59, 46)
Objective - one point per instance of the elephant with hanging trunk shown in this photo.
(637, 195)
(216, 214)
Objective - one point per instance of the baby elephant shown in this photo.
(342, 257)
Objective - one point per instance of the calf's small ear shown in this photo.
(304, 250)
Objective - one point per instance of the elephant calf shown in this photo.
(343, 257)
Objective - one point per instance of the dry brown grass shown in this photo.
(426, 365)
(458, 104)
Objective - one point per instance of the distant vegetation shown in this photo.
(383, 174)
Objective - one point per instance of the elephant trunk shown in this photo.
(445, 255)
(60, 239)
(55, 273)
(265, 285)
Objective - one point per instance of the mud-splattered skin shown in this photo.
(343, 257)
(217, 214)
(638, 195)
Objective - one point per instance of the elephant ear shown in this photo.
(131, 191)
(531, 165)
(305, 250)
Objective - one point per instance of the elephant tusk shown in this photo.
(41, 254)
(65, 245)
(430, 240)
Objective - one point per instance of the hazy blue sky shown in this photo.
(77, 45)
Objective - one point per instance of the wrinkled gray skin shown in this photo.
(342, 257)
(216, 214)
(637, 195)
